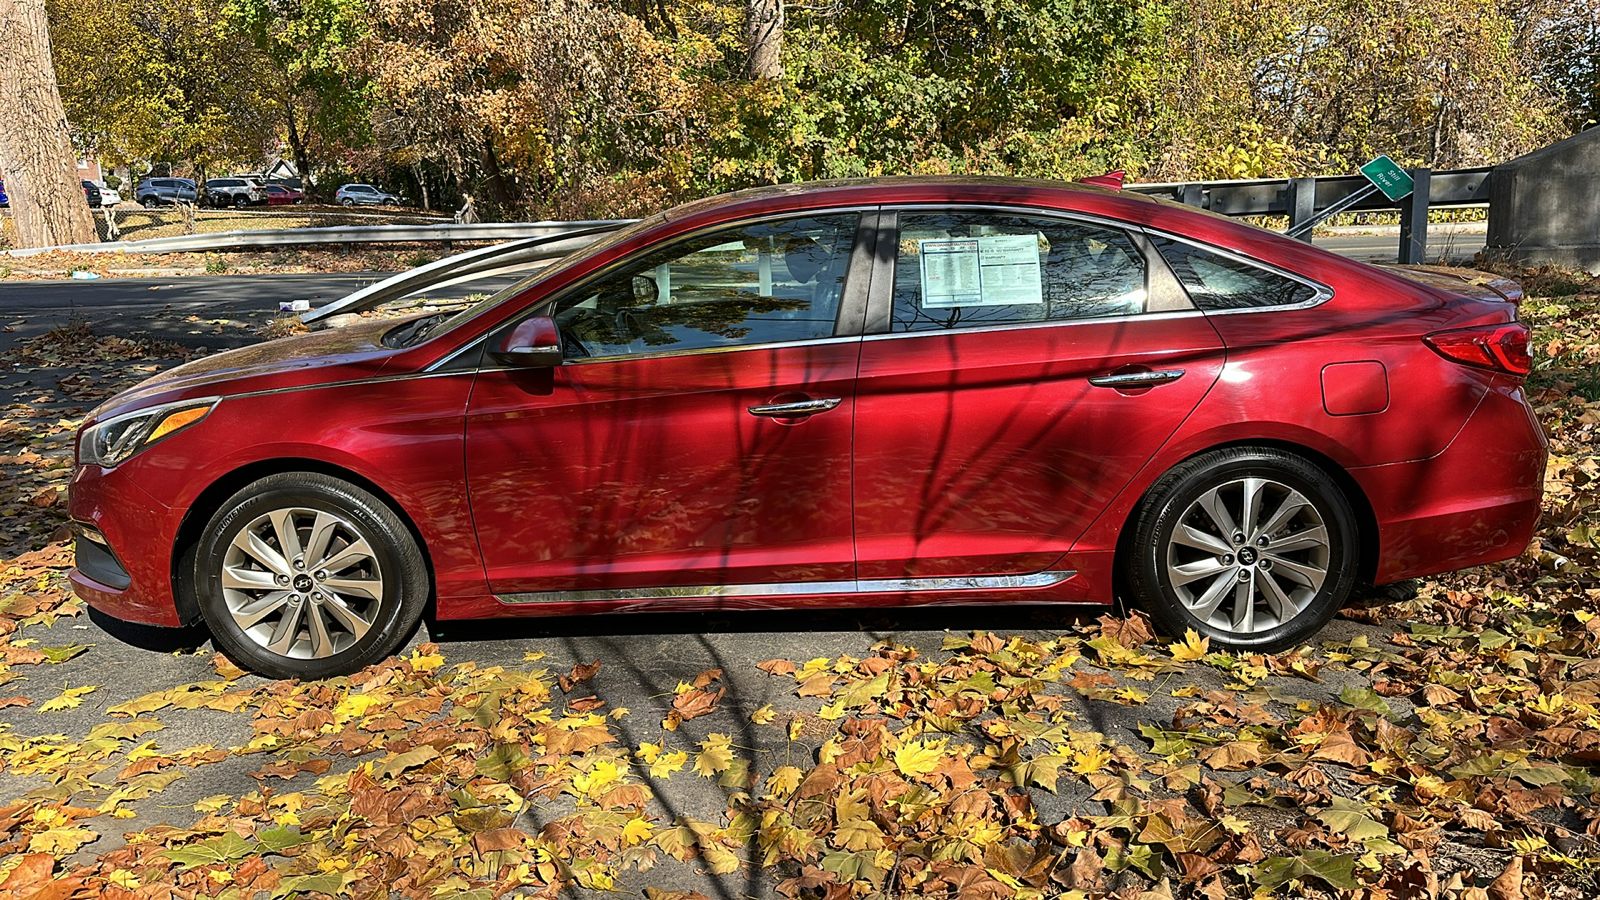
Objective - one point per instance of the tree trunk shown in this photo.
(297, 146)
(499, 191)
(763, 29)
(36, 156)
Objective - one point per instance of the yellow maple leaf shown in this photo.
(763, 715)
(637, 831)
(918, 758)
(783, 781)
(715, 756)
(71, 698)
(668, 763)
(212, 803)
(796, 725)
(61, 841)
(1191, 648)
(649, 752)
(124, 879)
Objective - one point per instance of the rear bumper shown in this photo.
(1476, 502)
(126, 569)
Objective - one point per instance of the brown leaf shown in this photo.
(288, 769)
(34, 870)
(578, 675)
(1085, 873)
(777, 667)
(706, 677)
(693, 704)
(226, 668)
(497, 839)
(1129, 632)
(1509, 885)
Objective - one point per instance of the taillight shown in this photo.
(1502, 348)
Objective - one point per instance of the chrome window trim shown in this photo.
(1049, 323)
(1323, 292)
(778, 589)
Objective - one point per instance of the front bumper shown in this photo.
(126, 569)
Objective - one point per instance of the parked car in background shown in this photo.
(91, 193)
(878, 393)
(364, 195)
(109, 196)
(235, 192)
(280, 195)
(153, 192)
(4, 200)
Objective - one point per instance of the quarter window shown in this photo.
(772, 282)
(962, 270)
(1217, 282)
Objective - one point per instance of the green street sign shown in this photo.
(1388, 177)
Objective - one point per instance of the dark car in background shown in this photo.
(4, 200)
(364, 195)
(153, 192)
(91, 193)
(236, 192)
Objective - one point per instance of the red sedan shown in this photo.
(903, 391)
(281, 195)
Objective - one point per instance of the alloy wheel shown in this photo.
(302, 583)
(1248, 555)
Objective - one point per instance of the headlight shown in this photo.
(111, 442)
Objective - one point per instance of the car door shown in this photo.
(1018, 370)
(698, 433)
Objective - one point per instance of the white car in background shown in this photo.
(108, 195)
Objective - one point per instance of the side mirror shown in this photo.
(534, 344)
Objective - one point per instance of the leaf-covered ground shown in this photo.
(1437, 741)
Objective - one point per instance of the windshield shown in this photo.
(605, 242)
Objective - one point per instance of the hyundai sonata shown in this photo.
(902, 391)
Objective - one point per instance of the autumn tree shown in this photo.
(323, 102)
(764, 33)
(36, 154)
(164, 80)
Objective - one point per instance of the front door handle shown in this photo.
(1136, 379)
(797, 409)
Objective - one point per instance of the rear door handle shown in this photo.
(1137, 379)
(797, 409)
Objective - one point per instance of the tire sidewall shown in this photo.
(404, 573)
(1168, 504)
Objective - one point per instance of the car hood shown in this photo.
(336, 354)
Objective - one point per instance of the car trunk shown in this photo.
(1461, 282)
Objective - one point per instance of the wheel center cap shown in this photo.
(302, 583)
(1247, 556)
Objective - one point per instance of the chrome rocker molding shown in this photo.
(879, 586)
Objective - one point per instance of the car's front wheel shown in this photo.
(1253, 547)
(301, 575)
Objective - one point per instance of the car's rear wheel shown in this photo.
(241, 202)
(347, 202)
(1253, 547)
(301, 575)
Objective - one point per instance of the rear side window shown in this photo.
(1217, 282)
(977, 269)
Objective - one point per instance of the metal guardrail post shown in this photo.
(1301, 196)
(1414, 219)
(1193, 195)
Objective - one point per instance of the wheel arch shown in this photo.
(209, 500)
(1366, 519)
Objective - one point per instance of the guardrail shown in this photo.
(1302, 198)
(1299, 198)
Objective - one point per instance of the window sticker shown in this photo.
(993, 270)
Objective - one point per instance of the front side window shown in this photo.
(1217, 282)
(770, 282)
(975, 269)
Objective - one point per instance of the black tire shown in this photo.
(1151, 557)
(240, 202)
(396, 561)
(347, 202)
